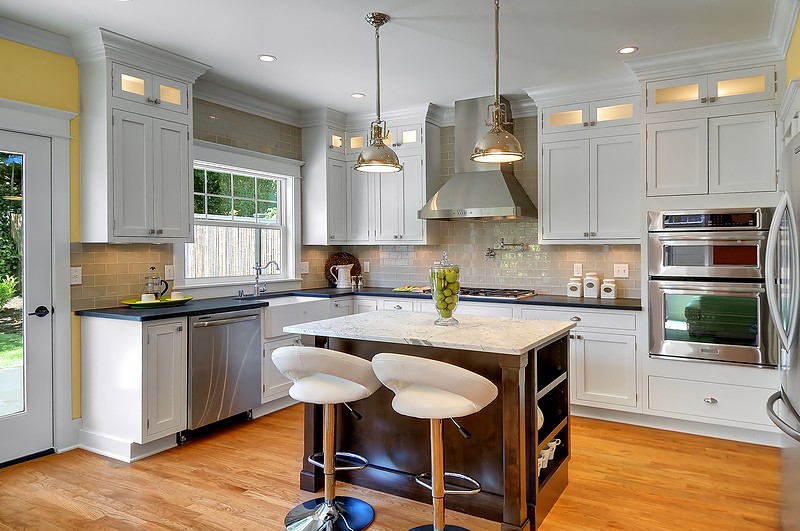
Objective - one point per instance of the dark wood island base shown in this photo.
(501, 454)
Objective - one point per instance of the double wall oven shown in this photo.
(707, 291)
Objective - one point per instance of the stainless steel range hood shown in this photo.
(477, 190)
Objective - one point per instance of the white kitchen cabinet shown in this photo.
(136, 137)
(341, 307)
(470, 308)
(133, 385)
(150, 160)
(589, 189)
(590, 114)
(716, 155)
(398, 197)
(719, 88)
(359, 205)
(363, 305)
(398, 304)
(405, 138)
(336, 142)
(604, 370)
(274, 384)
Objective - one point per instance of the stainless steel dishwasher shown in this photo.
(224, 365)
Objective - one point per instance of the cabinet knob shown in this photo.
(712, 99)
(155, 101)
(395, 236)
(575, 318)
(400, 236)
(703, 100)
(575, 336)
(333, 236)
(585, 234)
(586, 124)
(592, 124)
(592, 234)
(160, 231)
(179, 329)
(710, 400)
(151, 231)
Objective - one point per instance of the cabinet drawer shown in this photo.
(584, 319)
(710, 400)
(397, 304)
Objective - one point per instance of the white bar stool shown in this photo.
(430, 389)
(328, 377)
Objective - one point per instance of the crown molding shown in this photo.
(427, 112)
(100, 43)
(783, 23)
(228, 97)
(559, 94)
(324, 116)
(32, 36)
(790, 101)
(700, 60)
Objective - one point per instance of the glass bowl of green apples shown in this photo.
(444, 290)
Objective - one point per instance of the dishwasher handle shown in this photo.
(221, 322)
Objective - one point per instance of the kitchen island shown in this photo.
(527, 360)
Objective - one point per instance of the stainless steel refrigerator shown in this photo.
(783, 294)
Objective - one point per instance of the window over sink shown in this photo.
(244, 215)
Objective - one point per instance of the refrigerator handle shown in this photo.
(779, 422)
(769, 273)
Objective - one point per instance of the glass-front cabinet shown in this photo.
(737, 86)
(601, 113)
(144, 87)
(405, 136)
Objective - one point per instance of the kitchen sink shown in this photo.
(251, 297)
(292, 309)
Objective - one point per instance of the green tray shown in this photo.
(160, 303)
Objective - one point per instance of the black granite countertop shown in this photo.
(227, 304)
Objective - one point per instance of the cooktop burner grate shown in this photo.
(497, 293)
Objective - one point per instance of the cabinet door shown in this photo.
(388, 206)
(365, 305)
(171, 94)
(677, 158)
(358, 205)
(341, 307)
(741, 152)
(604, 368)
(738, 86)
(612, 112)
(614, 187)
(144, 87)
(565, 117)
(564, 203)
(171, 170)
(413, 198)
(337, 200)
(165, 383)
(336, 142)
(405, 137)
(274, 384)
(679, 93)
(356, 141)
(132, 138)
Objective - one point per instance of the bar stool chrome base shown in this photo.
(448, 527)
(346, 514)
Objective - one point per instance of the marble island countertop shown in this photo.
(487, 334)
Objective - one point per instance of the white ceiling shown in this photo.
(436, 51)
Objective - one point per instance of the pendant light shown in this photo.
(498, 145)
(377, 157)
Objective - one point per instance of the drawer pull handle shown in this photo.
(710, 400)
(575, 318)
(398, 307)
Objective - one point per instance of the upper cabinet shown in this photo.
(136, 138)
(596, 114)
(343, 206)
(737, 86)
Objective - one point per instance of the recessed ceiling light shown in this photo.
(628, 49)
(357, 95)
(267, 58)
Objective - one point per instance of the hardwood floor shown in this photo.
(246, 477)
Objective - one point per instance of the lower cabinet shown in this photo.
(274, 384)
(341, 307)
(603, 365)
(133, 384)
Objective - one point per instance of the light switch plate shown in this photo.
(303, 268)
(169, 272)
(620, 270)
(577, 269)
(75, 276)
(366, 267)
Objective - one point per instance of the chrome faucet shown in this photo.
(261, 287)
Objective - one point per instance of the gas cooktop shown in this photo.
(497, 293)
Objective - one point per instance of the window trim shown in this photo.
(209, 153)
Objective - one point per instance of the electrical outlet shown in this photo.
(75, 276)
(365, 267)
(577, 269)
(303, 268)
(620, 270)
(169, 272)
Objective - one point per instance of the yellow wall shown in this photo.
(31, 75)
(793, 55)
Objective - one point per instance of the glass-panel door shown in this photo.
(26, 357)
(712, 319)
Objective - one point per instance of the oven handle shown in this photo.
(694, 237)
(709, 288)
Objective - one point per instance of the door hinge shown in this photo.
(148, 339)
(187, 135)
(263, 388)
(148, 424)
(112, 119)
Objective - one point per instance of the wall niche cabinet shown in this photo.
(136, 137)
(344, 206)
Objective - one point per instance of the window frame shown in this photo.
(208, 155)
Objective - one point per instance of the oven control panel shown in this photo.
(708, 219)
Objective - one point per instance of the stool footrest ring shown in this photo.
(316, 460)
(424, 479)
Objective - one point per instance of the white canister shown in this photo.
(591, 285)
(608, 289)
(575, 287)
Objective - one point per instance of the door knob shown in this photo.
(40, 311)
